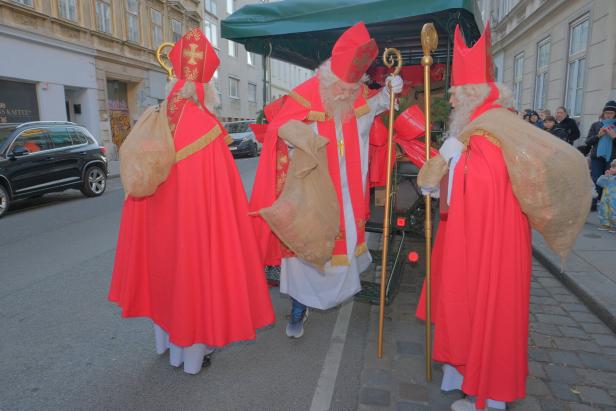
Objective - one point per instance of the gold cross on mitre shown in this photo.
(341, 147)
(193, 54)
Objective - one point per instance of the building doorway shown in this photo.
(119, 117)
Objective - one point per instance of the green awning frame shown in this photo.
(303, 32)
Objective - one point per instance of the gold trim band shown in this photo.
(198, 144)
(301, 100)
(361, 111)
(340, 260)
(316, 116)
(360, 249)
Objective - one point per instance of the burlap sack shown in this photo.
(550, 178)
(306, 215)
(432, 172)
(147, 154)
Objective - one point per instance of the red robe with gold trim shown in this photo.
(187, 256)
(481, 272)
(347, 154)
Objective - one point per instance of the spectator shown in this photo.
(568, 124)
(549, 125)
(543, 113)
(607, 205)
(533, 118)
(600, 142)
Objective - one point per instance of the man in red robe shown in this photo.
(482, 254)
(337, 106)
(187, 257)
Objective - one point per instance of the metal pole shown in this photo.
(429, 42)
(388, 60)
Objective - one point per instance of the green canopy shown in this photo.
(303, 31)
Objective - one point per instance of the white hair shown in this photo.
(469, 97)
(335, 105)
(189, 92)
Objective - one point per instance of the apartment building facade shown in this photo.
(556, 53)
(88, 61)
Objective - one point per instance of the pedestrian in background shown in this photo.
(600, 142)
(607, 205)
(533, 118)
(568, 124)
(549, 125)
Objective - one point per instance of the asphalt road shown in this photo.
(63, 346)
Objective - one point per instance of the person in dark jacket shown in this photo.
(567, 123)
(602, 144)
(549, 125)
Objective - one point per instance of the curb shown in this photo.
(596, 306)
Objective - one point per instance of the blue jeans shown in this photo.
(598, 166)
(297, 310)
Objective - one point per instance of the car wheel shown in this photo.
(255, 151)
(5, 200)
(95, 182)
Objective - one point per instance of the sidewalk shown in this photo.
(590, 270)
(113, 168)
(572, 353)
(572, 342)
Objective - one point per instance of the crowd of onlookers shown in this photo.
(599, 146)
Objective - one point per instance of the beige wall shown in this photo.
(529, 22)
(115, 57)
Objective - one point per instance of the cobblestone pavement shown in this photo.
(572, 355)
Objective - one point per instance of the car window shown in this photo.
(78, 136)
(237, 127)
(33, 140)
(5, 133)
(60, 137)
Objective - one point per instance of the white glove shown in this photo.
(452, 147)
(451, 150)
(432, 192)
(396, 84)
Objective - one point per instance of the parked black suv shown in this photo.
(44, 156)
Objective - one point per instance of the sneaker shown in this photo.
(603, 228)
(463, 405)
(295, 329)
(612, 230)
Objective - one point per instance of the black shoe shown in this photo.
(207, 360)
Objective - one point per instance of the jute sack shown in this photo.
(549, 177)
(306, 216)
(147, 154)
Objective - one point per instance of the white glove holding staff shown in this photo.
(451, 151)
(396, 84)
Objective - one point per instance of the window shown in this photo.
(232, 48)
(68, 9)
(103, 16)
(252, 92)
(176, 29)
(234, 87)
(24, 2)
(503, 8)
(157, 27)
(211, 31)
(518, 75)
(229, 6)
(132, 20)
(33, 140)
(210, 5)
(250, 58)
(60, 137)
(541, 79)
(576, 67)
(78, 137)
